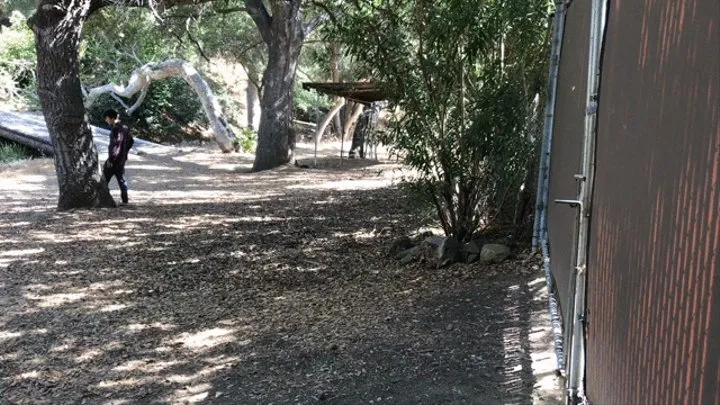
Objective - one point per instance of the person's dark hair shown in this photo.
(112, 114)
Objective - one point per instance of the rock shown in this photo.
(399, 245)
(448, 252)
(421, 237)
(494, 253)
(471, 251)
(434, 241)
(409, 255)
(472, 247)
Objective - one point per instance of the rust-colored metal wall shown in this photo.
(567, 143)
(654, 269)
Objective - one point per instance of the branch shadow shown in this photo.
(243, 288)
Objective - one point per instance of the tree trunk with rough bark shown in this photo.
(284, 33)
(276, 137)
(57, 27)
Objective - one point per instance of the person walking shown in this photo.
(120, 143)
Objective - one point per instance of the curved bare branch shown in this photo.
(142, 77)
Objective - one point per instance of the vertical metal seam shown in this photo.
(540, 233)
(576, 366)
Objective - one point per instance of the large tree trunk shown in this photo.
(276, 138)
(284, 33)
(57, 30)
(4, 19)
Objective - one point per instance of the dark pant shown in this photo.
(119, 172)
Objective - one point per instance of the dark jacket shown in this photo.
(120, 144)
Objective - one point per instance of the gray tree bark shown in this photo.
(283, 33)
(276, 138)
(57, 27)
(4, 19)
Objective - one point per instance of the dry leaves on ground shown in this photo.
(225, 287)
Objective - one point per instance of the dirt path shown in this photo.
(218, 286)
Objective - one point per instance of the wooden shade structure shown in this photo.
(360, 92)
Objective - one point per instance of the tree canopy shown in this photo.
(466, 77)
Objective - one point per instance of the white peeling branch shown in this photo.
(324, 123)
(350, 123)
(119, 100)
(138, 102)
(140, 82)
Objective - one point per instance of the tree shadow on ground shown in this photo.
(252, 289)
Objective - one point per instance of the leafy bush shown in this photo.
(465, 77)
(245, 140)
(17, 63)
(169, 109)
(13, 152)
(309, 104)
(171, 105)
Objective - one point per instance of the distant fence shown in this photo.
(652, 319)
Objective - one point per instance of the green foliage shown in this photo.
(221, 32)
(17, 43)
(25, 7)
(309, 102)
(313, 68)
(464, 77)
(119, 40)
(17, 63)
(12, 152)
(245, 140)
(166, 115)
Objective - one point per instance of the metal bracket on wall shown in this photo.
(571, 203)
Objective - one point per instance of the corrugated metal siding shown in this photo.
(654, 282)
(567, 143)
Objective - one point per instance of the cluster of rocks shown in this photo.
(444, 251)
